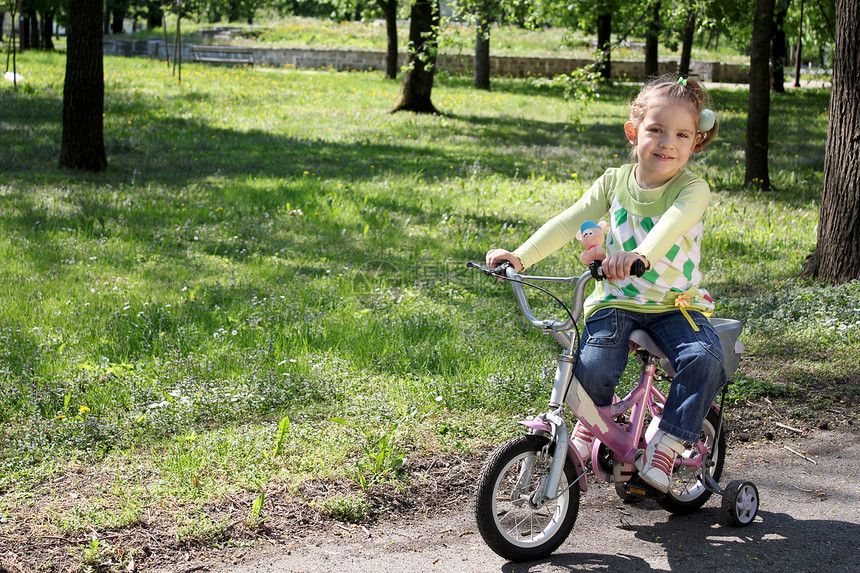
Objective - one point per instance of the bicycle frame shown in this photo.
(644, 399)
(527, 496)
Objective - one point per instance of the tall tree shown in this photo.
(758, 115)
(837, 255)
(47, 25)
(115, 12)
(153, 13)
(482, 14)
(652, 40)
(485, 12)
(83, 144)
(389, 10)
(687, 41)
(779, 49)
(604, 42)
(798, 53)
(417, 86)
(23, 30)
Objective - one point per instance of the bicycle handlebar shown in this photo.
(595, 271)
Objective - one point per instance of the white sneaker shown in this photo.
(656, 462)
(582, 441)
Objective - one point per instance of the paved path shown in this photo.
(809, 520)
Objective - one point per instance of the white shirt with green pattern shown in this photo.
(664, 225)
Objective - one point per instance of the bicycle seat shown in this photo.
(727, 330)
(643, 339)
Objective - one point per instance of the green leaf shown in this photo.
(257, 506)
(282, 432)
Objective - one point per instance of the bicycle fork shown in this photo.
(553, 423)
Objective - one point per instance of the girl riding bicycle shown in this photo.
(655, 210)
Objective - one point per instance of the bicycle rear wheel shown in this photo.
(687, 491)
(509, 522)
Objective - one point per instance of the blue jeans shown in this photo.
(697, 358)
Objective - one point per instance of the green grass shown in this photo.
(273, 242)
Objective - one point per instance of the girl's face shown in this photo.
(664, 141)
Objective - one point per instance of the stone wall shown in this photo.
(346, 60)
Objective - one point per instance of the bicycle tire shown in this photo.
(687, 491)
(510, 525)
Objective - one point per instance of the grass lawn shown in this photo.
(266, 288)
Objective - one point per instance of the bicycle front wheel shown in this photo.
(510, 523)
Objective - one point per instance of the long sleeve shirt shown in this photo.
(664, 225)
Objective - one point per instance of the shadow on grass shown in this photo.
(177, 151)
(167, 175)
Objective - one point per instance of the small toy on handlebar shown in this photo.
(591, 235)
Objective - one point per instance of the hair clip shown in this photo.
(683, 81)
(707, 119)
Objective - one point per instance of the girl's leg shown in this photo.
(697, 358)
(603, 352)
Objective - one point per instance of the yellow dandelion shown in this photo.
(84, 409)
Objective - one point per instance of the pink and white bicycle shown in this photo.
(528, 492)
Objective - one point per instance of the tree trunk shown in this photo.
(177, 44)
(482, 54)
(389, 9)
(714, 37)
(83, 93)
(234, 12)
(24, 33)
(417, 83)
(687, 43)
(759, 103)
(652, 39)
(2, 22)
(47, 32)
(798, 54)
(35, 35)
(154, 15)
(837, 255)
(116, 26)
(778, 51)
(604, 44)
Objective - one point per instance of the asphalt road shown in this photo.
(809, 520)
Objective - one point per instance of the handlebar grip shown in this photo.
(499, 271)
(596, 268)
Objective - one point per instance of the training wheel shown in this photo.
(740, 502)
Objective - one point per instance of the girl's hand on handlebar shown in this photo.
(496, 257)
(616, 266)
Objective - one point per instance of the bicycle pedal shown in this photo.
(638, 487)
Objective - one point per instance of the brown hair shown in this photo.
(689, 91)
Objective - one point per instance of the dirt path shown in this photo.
(809, 520)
